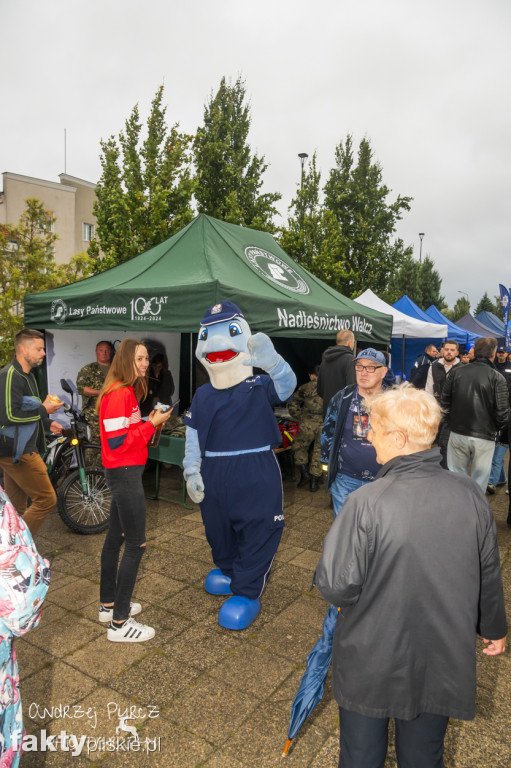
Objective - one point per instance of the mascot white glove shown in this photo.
(195, 487)
(262, 354)
(191, 466)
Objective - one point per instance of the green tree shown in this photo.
(359, 237)
(485, 305)
(431, 285)
(146, 186)
(27, 265)
(304, 235)
(497, 308)
(230, 177)
(461, 308)
(405, 280)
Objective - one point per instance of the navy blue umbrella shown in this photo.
(312, 685)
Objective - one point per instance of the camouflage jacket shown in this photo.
(93, 376)
(306, 404)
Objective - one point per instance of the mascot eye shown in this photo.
(203, 335)
(235, 329)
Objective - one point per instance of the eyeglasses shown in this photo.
(369, 368)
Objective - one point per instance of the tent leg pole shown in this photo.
(191, 367)
(403, 359)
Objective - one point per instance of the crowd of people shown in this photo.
(411, 560)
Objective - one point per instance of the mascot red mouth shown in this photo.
(222, 356)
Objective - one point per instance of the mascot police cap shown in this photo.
(219, 313)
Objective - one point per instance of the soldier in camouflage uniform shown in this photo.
(89, 381)
(307, 408)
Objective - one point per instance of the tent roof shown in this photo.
(169, 287)
(471, 324)
(409, 307)
(403, 324)
(491, 321)
(461, 335)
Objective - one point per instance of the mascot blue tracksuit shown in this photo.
(229, 465)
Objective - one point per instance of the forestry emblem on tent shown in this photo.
(276, 270)
(58, 311)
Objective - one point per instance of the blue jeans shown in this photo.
(341, 487)
(419, 742)
(126, 526)
(463, 449)
(498, 472)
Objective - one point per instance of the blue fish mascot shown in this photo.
(229, 466)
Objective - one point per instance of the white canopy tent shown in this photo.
(403, 326)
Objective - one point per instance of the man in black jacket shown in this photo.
(420, 370)
(476, 403)
(413, 564)
(336, 370)
(503, 366)
(435, 381)
(28, 476)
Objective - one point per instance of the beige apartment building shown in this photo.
(69, 203)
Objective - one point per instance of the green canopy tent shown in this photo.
(169, 287)
(208, 261)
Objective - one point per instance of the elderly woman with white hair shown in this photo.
(413, 565)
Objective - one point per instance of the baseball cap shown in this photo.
(372, 354)
(221, 312)
(501, 349)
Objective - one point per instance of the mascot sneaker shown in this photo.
(129, 632)
(107, 614)
(238, 612)
(217, 583)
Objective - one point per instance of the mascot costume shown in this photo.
(229, 466)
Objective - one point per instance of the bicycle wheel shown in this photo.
(85, 512)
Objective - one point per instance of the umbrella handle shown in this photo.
(286, 748)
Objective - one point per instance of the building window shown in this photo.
(46, 222)
(88, 232)
(12, 245)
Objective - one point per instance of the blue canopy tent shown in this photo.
(491, 321)
(415, 347)
(471, 324)
(409, 307)
(461, 335)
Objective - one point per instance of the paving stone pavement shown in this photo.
(200, 695)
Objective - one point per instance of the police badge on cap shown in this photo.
(218, 313)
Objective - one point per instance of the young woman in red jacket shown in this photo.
(124, 438)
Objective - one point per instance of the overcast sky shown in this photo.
(427, 83)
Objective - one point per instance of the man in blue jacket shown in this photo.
(345, 448)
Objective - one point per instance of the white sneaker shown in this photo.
(129, 632)
(107, 614)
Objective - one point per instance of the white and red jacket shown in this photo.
(124, 436)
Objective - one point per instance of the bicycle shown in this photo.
(83, 497)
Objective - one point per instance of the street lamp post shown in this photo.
(421, 235)
(303, 157)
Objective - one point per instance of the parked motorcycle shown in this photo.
(83, 497)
